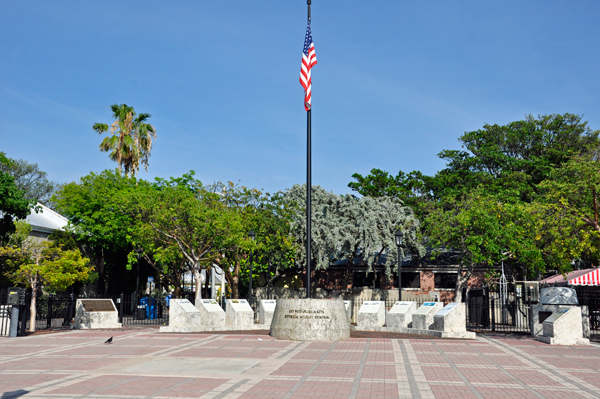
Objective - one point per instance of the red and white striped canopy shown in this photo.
(590, 278)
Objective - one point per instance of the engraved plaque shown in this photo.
(98, 305)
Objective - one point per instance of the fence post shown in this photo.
(493, 315)
(24, 314)
(49, 314)
(121, 300)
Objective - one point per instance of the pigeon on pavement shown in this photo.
(108, 341)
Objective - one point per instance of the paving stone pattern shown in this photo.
(77, 364)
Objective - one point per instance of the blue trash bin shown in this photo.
(151, 309)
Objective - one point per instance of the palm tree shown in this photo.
(130, 140)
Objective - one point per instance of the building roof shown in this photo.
(578, 277)
(46, 220)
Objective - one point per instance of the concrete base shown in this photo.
(433, 333)
(310, 320)
(443, 334)
(563, 341)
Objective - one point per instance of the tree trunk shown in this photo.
(32, 307)
(198, 278)
(461, 280)
(349, 273)
(235, 287)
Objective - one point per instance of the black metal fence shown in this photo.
(590, 297)
(58, 311)
(491, 312)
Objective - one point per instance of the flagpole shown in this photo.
(308, 192)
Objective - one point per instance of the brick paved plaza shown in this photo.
(144, 363)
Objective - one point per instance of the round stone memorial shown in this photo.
(310, 320)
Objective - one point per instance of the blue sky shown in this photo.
(396, 82)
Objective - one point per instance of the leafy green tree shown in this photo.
(29, 178)
(351, 229)
(198, 224)
(268, 216)
(487, 232)
(13, 203)
(45, 264)
(130, 139)
(509, 160)
(99, 221)
(568, 215)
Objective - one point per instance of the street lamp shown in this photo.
(398, 237)
(252, 236)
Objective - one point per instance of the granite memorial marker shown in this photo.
(212, 315)
(400, 315)
(266, 310)
(422, 318)
(239, 315)
(183, 317)
(371, 314)
(96, 314)
(563, 327)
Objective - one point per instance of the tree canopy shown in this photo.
(13, 201)
(522, 193)
(30, 179)
(351, 229)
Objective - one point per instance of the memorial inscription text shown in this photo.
(306, 314)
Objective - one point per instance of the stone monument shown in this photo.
(212, 315)
(371, 315)
(310, 320)
(183, 317)
(563, 327)
(266, 310)
(422, 319)
(95, 314)
(551, 299)
(451, 321)
(239, 315)
(400, 315)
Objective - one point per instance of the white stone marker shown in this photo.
(239, 315)
(400, 315)
(422, 319)
(371, 314)
(451, 318)
(563, 327)
(213, 316)
(183, 317)
(266, 310)
(96, 313)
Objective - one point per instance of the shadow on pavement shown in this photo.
(14, 394)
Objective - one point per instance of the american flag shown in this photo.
(309, 59)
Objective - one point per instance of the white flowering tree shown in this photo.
(353, 229)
